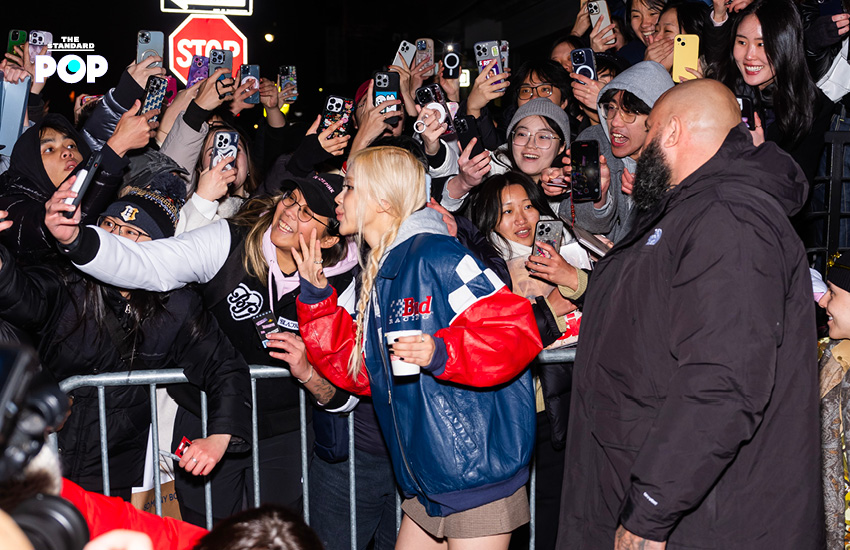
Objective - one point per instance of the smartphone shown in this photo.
(504, 53)
(589, 240)
(37, 39)
(584, 63)
(748, 114)
(386, 88)
(150, 44)
(425, 52)
(337, 108)
(598, 9)
(199, 70)
(685, 55)
(89, 98)
(467, 128)
(451, 62)
(433, 97)
(16, 38)
(154, 94)
(219, 59)
(550, 232)
(406, 51)
(14, 106)
(486, 52)
(84, 178)
(170, 89)
(247, 72)
(286, 75)
(584, 171)
(225, 144)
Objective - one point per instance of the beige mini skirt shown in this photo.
(501, 516)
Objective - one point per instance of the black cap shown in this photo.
(839, 272)
(155, 209)
(319, 191)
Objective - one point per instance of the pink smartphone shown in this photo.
(170, 89)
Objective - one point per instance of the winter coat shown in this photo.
(25, 187)
(71, 343)
(835, 415)
(694, 415)
(453, 446)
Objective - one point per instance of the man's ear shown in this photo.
(564, 104)
(672, 132)
(328, 241)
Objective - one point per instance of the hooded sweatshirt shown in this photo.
(646, 80)
(25, 187)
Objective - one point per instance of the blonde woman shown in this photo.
(460, 430)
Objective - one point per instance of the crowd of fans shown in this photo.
(303, 251)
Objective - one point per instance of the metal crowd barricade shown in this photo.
(827, 217)
(153, 378)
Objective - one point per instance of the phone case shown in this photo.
(199, 70)
(84, 177)
(337, 108)
(451, 64)
(150, 44)
(467, 128)
(225, 144)
(37, 39)
(485, 52)
(406, 51)
(386, 88)
(432, 96)
(170, 89)
(425, 52)
(685, 55)
(598, 9)
(287, 75)
(154, 95)
(589, 240)
(504, 53)
(550, 232)
(584, 171)
(16, 38)
(12, 115)
(247, 72)
(584, 63)
(748, 116)
(221, 58)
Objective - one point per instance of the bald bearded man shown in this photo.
(694, 419)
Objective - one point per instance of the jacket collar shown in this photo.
(426, 220)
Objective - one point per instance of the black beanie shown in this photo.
(839, 272)
(154, 208)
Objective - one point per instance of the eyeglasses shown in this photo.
(542, 140)
(542, 90)
(304, 212)
(123, 230)
(611, 109)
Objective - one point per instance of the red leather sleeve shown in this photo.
(491, 341)
(328, 332)
(103, 514)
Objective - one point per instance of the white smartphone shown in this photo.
(406, 51)
(598, 9)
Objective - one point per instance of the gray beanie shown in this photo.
(541, 106)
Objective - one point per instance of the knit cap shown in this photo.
(542, 107)
(154, 208)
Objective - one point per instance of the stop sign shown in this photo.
(200, 33)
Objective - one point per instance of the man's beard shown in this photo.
(652, 177)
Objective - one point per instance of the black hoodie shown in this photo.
(25, 187)
(695, 413)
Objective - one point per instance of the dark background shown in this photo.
(335, 45)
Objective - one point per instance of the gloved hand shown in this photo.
(826, 31)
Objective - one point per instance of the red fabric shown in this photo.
(104, 514)
(328, 332)
(491, 342)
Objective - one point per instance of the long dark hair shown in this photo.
(793, 91)
(485, 207)
(691, 15)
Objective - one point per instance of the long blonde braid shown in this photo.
(392, 175)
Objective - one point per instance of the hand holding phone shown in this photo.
(585, 175)
(550, 232)
(84, 179)
(150, 44)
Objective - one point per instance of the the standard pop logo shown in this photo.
(71, 68)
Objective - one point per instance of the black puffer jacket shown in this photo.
(70, 342)
(25, 187)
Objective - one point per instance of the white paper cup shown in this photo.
(402, 368)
